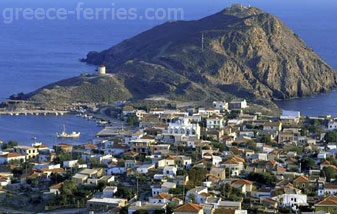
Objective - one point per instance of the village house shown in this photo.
(244, 185)
(220, 173)
(149, 207)
(170, 171)
(286, 137)
(238, 104)
(221, 105)
(290, 117)
(289, 197)
(9, 157)
(55, 189)
(215, 122)
(145, 168)
(104, 204)
(272, 126)
(183, 129)
(234, 165)
(142, 146)
(332, 125)
(189, 208)
(302, 182)
(327, 189)
(109, 191)
(28, 151)
(328, 204)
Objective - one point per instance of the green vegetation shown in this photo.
(125, 192)
(262, 178)
(178, 191)
(70, 195)
(132, 120)
(197, 176)
(10, 144)
(230, 193)
(331, 137)
(219, 146)
(63, 156)
(328, 173)
(307, 163)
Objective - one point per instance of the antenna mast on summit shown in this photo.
(202, 41)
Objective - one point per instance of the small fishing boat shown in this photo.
(64, 134)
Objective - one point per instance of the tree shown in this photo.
(230, 193)
(132, 120)
(177, 192)
(94, 162)
(263, 178)
(219, 146)
(10, 144)
(124, 192)
(124, 210)
(170, 209)
(315, 126)
(266, 139)
(332, 160)
(252, 145)
(191, 197)
(63, 156)
(160, 211)
(141, 212)
(197, 176)
(331, 136)
(307, 163)
(328, 173)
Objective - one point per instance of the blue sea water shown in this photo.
(34, 53)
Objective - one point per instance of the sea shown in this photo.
(34, 52)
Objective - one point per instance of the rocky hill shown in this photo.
(238, 52)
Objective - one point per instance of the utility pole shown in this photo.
(184, 188)
(137, 188)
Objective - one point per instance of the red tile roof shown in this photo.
(329, 201)
(189, 207)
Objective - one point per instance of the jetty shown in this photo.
(34, 112)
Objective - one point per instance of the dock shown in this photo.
(34, 112)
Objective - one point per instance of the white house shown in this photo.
(161, 198)
(197, 194)
(145, 168)
(216, 160)
(289, 117)
(328, 189)
(185, 128)
(7, 158)
(70, 164)
(215, 122)
(238, 104)
(170, 171)
(235, 166)
(272, 126)
(115, 170)
(267, 149)
(259, 157)
(332, 125)
(289, 197)
(221, 105)
(109, 191)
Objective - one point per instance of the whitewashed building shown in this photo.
(185, 128)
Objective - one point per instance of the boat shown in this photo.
(64, 134)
